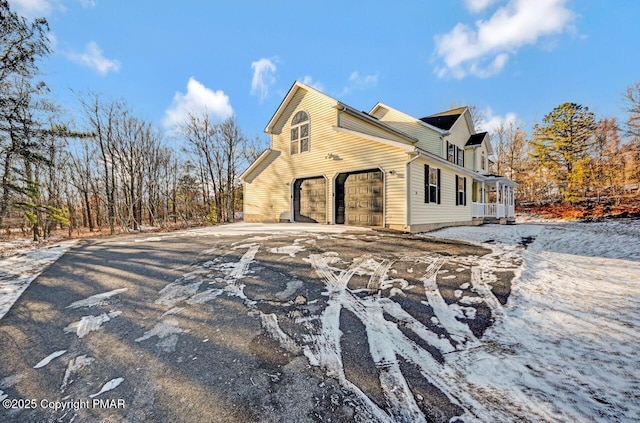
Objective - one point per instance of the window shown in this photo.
(461, 191)
(482, 165)
(451, 152)
(300, 133)
(460, 157)
(431, 184)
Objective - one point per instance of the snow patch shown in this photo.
(73, 368)
(565, 347)
(97, 299)
(48, 359)
(149, 239)
(10, 381)
(89, 324)
(205, 296)
(17, 271)
(291, 250)
(177, 291)
(112, 384)
(162, 330)
(271, 326)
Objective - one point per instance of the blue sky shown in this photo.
(512, 59)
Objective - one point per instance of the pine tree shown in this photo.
(561, 145)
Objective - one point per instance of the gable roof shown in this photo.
(287, 98)
(380, 105)
(444, 120)
(337, 105)
(476, 139)
(374, 121)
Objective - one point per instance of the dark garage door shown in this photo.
(360, 199)
(310, 200)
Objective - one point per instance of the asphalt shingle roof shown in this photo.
(443, 122)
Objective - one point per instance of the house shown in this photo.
(333, 164)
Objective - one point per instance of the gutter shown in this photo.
(448, 164)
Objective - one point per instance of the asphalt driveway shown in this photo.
(285, 326)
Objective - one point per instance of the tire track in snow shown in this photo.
(458, 330)
(386, 342)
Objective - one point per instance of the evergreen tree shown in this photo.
(22, 44)
(561, 145)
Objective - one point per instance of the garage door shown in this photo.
(310, 200)
(363, 201)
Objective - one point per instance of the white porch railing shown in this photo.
(477, 209)
(492, 210)
(489, 210)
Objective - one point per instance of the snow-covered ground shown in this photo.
(563, 348)
(18, 270)
(566, 346)
(27, 260)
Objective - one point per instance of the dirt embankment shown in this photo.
(586, 210)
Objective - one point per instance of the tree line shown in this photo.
(572, 156)
(105, 167)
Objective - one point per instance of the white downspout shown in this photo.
(407, 190)
(484, 201)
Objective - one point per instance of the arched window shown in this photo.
(300, 133)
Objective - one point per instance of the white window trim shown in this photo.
(298, 141)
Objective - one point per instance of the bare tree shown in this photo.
(218, 151)
(632, 127)
(510, 150)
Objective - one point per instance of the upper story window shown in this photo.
(482, 159)
(300, 133)
(451, 152)
(455, 154)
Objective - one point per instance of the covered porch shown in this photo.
(493, 197)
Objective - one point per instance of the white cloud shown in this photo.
(360, 82)
(88, 3)
(315, 84)
(197, 100)
(491, 122)
(53, 40)
(484, 50)
(478, 5)
(93, 58)
(263, 77)
(34, 8)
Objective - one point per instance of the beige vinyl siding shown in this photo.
(428, 139)
(268, 195)
(429, 213)
(459, 133)
(479, 151)
(470, 161)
